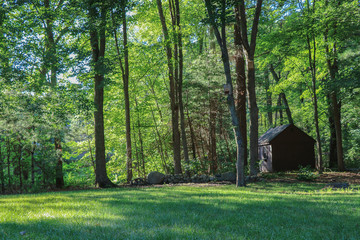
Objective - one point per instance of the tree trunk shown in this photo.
(241, 86)
(173, 94)
(249, 48)
(332, 143)
(125, 77)
(268, 99)
(212, 137)
(2, 169)
(8, 149)
(51, 61)
(97, 41)
(221, 39)
(33, 164)
(337, 123)
(59, 164)
(254, 115)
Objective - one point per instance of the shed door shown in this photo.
(265, 156)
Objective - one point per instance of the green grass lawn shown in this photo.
(260, 211)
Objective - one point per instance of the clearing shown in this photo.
(264, 210)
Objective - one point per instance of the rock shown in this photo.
(338, 185)
(228, 176)
(155, 177)
(252, 179)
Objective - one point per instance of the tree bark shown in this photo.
(173, 93)
(212, 137)
(98, 43)
(249, 48)
(125, 76)
(59, 164)
(8, 149)
(268, 100)
(221, 39)
(2, 169)
(241, 85)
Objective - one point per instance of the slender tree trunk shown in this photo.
(279, 109)
(127, 103)
(59, 168)
(8, 149)
(332, 143)
(173, 93)
(333, 69)
(212, 137)
(312, 63)
(51, 61)
(254, 115)
(192, 135)
(33, 163)
(20, 165)
(337, 123)
(2, 169)
(98, 42)
(268, 99)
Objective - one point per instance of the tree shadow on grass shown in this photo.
(188, 214)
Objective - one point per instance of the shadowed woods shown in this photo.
(180, 213)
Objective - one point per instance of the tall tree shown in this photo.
(249, 48)
(173, 72)
(228, 87)
(125, 76)
(97, 16)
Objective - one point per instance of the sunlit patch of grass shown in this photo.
(259, 211)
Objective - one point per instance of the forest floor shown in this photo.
(326, 177)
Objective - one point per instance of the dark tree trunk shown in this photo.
(180, 61)
(8, 149)
(249, 48)
(212, 137)
(20, 165)
(59, 164)
(268, 100)
(33, 164)
(2, 168)
(241, 86)
(254, 115)
(312, 64)
(333, 68)
(332, 143)
(97, 41)
(173, 93)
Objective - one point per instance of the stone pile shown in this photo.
(159, 178)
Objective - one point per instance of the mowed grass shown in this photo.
(260, 211)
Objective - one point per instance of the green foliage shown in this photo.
(306, 174)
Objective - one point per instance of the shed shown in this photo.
(284, 148)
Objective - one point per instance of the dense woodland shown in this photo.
(102, 92)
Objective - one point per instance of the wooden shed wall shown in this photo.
(289, 150)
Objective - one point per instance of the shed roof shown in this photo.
(272, 133)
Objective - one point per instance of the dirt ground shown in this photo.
(326, 177)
